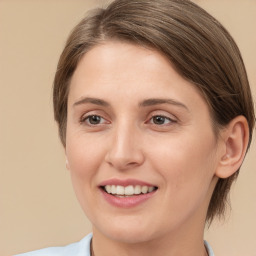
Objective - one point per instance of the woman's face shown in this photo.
(135, 126)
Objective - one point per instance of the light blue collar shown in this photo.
(208, 248)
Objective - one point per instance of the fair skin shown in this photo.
(133, 119)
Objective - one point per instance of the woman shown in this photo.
(155, 114)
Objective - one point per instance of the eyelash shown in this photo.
(85, 120)
(153, 118)
(161, 117)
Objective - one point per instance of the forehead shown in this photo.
(128, 71)
(113, 56)
(118, 60)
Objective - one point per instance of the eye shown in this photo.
(93, 120)
(161, 120)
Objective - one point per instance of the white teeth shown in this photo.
(108, 188)
(119, 190)
(137, 190)
(150, 189)
(113, 189)
(144, 189)
(128, 190)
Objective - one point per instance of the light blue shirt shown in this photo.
(81, 248)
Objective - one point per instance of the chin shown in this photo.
(129, 236)
(129, 232)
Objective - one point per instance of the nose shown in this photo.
(125, 148)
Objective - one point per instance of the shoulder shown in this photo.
(81, 248)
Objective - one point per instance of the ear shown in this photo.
(235, 139)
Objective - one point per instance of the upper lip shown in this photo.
(125, 182)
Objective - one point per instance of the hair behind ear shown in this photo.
(234, 139)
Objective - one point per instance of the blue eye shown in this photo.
(161, 120)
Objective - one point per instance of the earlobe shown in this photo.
(235, 138)
(67, 163)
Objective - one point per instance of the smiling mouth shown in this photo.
(128, 191)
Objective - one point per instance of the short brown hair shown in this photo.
(197, 45)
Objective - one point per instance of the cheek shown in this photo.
(84, 156)
(186, 163)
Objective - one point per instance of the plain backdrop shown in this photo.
(37, 205)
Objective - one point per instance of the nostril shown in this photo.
(132, 163)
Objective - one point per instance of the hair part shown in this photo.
(198, 46)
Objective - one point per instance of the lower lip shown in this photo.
(127, 202)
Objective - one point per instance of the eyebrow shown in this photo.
(92, 101)
(152, 102)
(144, 103)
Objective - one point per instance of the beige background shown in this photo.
(37, 204)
